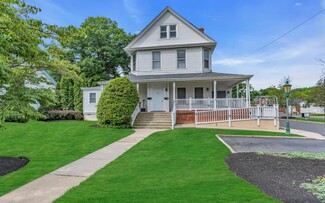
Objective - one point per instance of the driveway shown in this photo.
(254, 144)
(307, 126)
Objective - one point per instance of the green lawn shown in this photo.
(182, 165)
(50, 145)
(320, 120)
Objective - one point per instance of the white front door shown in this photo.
(157, 95)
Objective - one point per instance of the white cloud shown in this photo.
(131, 7)
(236, 61)
(323, 3)
(298, 4)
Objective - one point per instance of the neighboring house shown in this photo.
(171, 65)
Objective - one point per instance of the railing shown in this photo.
(209, 104)
(135, 113)
(235, 114)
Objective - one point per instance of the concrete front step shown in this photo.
(153, 120)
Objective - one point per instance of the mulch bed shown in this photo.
(278, 177)
(10, 164)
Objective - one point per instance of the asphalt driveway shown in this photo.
(254, 144)
(307, 126)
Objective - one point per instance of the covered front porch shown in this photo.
(202, 91)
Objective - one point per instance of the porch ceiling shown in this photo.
(232, 79)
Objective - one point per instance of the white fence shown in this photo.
(209, 104)
(235, 114)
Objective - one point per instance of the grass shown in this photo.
(50, 145)
(320, 120)
(182, 165)
(318, 114)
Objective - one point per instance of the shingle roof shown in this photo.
(187, 77)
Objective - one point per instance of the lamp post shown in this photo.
(287, 88)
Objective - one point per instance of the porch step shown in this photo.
(154, 120)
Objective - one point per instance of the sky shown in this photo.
(239, 27)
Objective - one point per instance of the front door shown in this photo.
(157, 94)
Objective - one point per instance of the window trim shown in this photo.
(177, 59)
(156, 60)
(194, 92)
(90, 101)
(181, 88)
(204, 59)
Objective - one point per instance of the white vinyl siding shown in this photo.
(168, 62)
(185, 35)
(156, 63)
(181, 58)
(206, 58)
(163, 31)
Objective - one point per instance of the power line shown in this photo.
(281, 36)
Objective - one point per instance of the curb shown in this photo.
(223, 142)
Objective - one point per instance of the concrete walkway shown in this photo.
(53, 185)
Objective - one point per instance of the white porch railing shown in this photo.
(209, 104)
(135, 113)
(235, 114)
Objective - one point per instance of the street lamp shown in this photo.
(287, 88)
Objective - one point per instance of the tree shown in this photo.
(22, 39)
(97, 48)
(117, 103)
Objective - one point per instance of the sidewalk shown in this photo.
(53, 185)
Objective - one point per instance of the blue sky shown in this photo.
(240, 28)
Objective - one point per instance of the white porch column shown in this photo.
(215, 94)
(138, 87)
(237, 91)
(247, 93)
(174, 96)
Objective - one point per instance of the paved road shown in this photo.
(307, 126)
(253, 144)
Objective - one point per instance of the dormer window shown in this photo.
(163, 31)
(172, 31)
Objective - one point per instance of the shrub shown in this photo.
(117, 103)
(63, 115)
(18, 118)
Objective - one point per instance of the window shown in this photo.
(221, 94)
(172, 31)
(156, 60)
(134, 61)
(163, 31)
(206, 57)
(198, 93)
(181, 58)
(92, 97)
(181, 93)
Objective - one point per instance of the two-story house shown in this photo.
(171, 65)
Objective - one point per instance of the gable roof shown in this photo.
(181, 18)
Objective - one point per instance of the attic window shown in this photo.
(163, 31)
(172, 31)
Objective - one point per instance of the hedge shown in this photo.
(117, 103)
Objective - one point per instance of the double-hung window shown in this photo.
(134, 61)
(172, 31)
(92, 97)
(156, 60)
(163, 31)
(206, 57)
(181, 93)
(181, 58)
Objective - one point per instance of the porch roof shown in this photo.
(188, 77)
